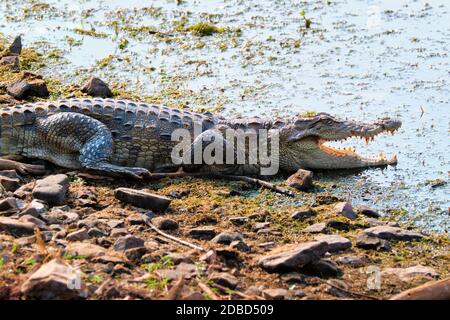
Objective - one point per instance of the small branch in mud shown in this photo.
(255, 181)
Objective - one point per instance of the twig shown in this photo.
(240, 294)
(255, 181)
(361, 295)
(168, 236)
(207, 290)
(175, 292)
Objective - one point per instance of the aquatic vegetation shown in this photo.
(91, 33)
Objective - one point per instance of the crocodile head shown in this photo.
(303, 143)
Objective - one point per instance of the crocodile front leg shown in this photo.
(74, 140)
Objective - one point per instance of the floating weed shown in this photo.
(103, 63)
(91, 33)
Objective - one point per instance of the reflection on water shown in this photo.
(360, 59)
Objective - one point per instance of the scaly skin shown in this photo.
(129, 138)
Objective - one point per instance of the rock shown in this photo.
(15, 48)
(238, 221)
(325, 198)
(240, 245)
(366, 241)
(227, 237)
(293, 258)
(54, 280)
(165, 223)
(35, 208)
(142, 199)
(118, 232)
(393, 233)
(134, 254)
(338, 225)
(267, 245)
(178, 258)
(276, 294)
(316, 228)
(24, 88)
(202, 233)
(368, 212)
(52, 189)
(11, 204)
(115, 223)
(322, 268)
(137, 219)
(96, 233)
(128, 242)
(303, 214)
(15, 227)
(301, 180)
(406, 274)
(335, 242)
(9, 184)
(96, 87)
(12, 61)
(78, 235)
(260, 225)
(353, 261)
(224, 279)
(345, 209)
(433, 290)
(84, 249)
(36, 221)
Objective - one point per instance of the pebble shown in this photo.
(227, 237)
(16, 228)
(224, 279)
(323, 268)
(165, 223)
(303, 214)
(54, 280)
(202, 233)
(368, 212)
(24, 88)
(142, 199)
(353, 261)
(15, 48)
(78, 235)
(345, 209)
(11, 205)
(365, 241)
(293, 258)
(31, 219)
(407, 274)
(96, 87)
(128, 242)
(335, 242)
(84, 249)
(301, 180)
(316, 228)
(118, 232)
(240, 245)
(276, 294)
(52, 189)
(393, 233)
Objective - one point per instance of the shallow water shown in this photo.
(360, 59)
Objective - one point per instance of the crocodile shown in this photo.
(133, 139)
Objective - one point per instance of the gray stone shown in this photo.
(202, 233)
(128, 242)
(293, 258)
(118, 232)
(368, 212)
(178, 258)
(16, 228)
(267, 245)
(316, 228)
(96, 87)
(52, 189)
(54, 280)
(301, 180)
(238, 221)
(322, 268)
(365, 241)
(345, 209)
(15, 48)
(78, 235)
(142, 199)
(353, 261)
(165, 223)
(393, 233)
(84, 249)
(227, 237)
(335, 242)
(11, 204)
(9, 184)
(96, 233)
(224, 279)
(276, 294)
(137, 219)
(407, 274)
(31, 219)
(303, 214)
(260, 225)
(240, 245)
(24, 88)
(134, 254)
(11, 61)
(115, 223)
